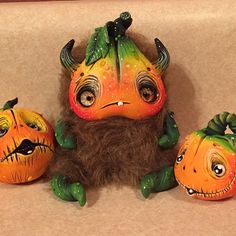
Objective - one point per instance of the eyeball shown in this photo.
(148, 94)
(86, 97)
(179, 158)
(218, 169)
(147, 89)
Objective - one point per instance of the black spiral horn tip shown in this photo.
(70, 44)
(159, 44)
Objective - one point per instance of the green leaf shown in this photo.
(98, 46)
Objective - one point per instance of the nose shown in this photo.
(194, 170)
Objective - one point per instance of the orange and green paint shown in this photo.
(206, 163)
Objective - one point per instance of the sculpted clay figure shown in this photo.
(115, 126)
(206, 163)
(27, 144)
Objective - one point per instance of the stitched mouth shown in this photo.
(26, 148)
(203, 194)
(119, 103)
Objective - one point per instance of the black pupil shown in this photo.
(147, 93)
(89, 98)
(179, 158)
(218, 169)
(33, 126)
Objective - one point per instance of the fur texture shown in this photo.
(115, 150)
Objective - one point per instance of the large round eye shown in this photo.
(33, 126)
(179, 158)
(86, 97)
(218, 169)
(3, 131)
(147, 89)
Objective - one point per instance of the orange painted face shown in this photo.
(206, 167)
(132, 89)
(115, 79)
(26, 145)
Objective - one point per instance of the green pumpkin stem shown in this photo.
(219, 123)
(10, 104)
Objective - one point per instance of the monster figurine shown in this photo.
(206, 163)
(27, 144)
(117, 129)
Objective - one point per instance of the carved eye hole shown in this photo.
(148, 90)
(33, 126)
(218, 169)
(86, 97)
(3, 131)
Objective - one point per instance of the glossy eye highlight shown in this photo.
(179, 158)
(218, 169)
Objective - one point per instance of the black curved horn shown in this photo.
(163, 59)
(67, 59)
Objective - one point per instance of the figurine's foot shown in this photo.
(158, 181)
(67, 191)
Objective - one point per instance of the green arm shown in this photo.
(68, 142)
(171, 132)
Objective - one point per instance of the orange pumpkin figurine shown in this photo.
(27, 144)
(206, 163)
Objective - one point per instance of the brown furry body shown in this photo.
(115, 150)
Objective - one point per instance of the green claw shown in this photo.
(158, 181)
(78, 193)
(67, 191)
(171, 133)
(68, 142)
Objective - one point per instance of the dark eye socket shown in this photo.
(218, 169)
(86, 96)
(33, 126)
(148, 90)
(3, 131)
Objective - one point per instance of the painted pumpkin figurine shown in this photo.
(116, 120)
(26, 144)
(206, 163)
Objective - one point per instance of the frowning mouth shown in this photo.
(26, 147)
(119, 103)
(208, 194)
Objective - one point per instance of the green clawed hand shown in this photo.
(67, 191)
(171, 133)
(68, 142)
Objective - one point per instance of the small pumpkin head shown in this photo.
(115, 79)
(27, 144)
(206, 162)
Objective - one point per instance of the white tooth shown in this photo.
(120, 103)
(30, 151)
(191, 191)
